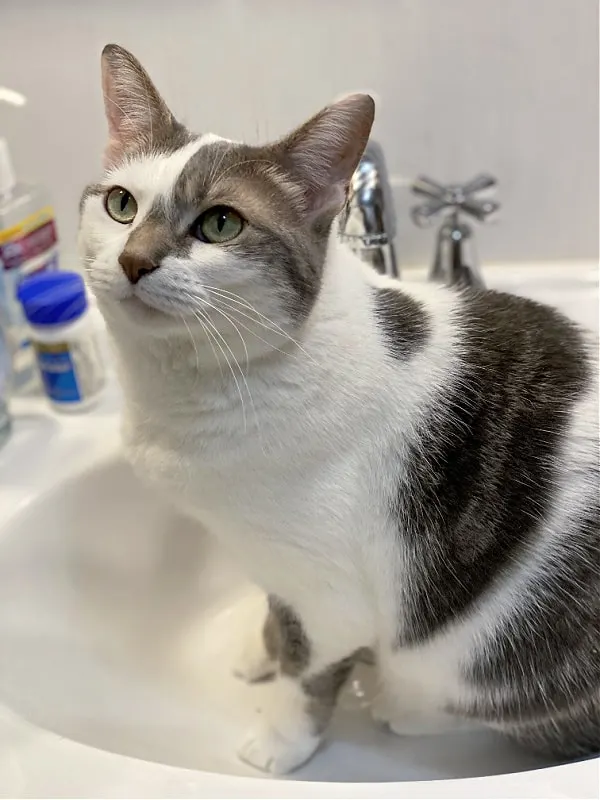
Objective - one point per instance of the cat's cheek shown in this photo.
(220, 267)
(99, 249)
(107, 283)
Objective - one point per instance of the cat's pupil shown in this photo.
(124, 200)
(221, 222)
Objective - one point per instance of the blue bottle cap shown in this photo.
(52, 298)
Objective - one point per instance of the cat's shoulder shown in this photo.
(412, 316)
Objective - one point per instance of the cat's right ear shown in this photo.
(135, 111)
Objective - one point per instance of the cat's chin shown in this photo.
(141, 314)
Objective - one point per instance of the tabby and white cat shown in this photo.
(413, 471)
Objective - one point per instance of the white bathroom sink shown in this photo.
(120, 622)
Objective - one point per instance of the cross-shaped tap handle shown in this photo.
(456, 197)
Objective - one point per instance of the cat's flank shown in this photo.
(410, 470)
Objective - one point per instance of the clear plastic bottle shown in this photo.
(5, 423)
(28, 244)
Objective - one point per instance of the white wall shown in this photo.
(509, 86)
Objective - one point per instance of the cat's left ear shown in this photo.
(135, 111)
(324, 152)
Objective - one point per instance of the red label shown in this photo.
(16, 252)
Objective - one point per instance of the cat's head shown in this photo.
(183, 224)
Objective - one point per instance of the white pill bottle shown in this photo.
(65, 335)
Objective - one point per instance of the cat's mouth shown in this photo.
(141, 310)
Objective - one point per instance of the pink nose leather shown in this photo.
(135, 265)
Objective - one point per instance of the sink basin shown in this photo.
(120, 622)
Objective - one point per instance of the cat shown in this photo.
(408, 470)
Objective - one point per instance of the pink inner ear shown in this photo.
(111, 109)
(112, 152)
(131, 103)
(330, 198)
(325, 151)
(114, 117)
(319, 160)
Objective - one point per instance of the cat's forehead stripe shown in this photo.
(154, 175)
(203, 168)
(221, 158)
(179, 165)
(172, 166)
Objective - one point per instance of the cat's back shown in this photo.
(531, 340)
(527, 370)
(531, 373)
(533, 378)
(498, 506)
(502, 479)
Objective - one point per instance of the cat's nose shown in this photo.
(136, 265)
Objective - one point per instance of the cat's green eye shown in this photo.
(120, 205)
(217, 225)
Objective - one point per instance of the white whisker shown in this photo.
(189, 330)
(238, 300)
(237, 330)
(201, 317)
(236, 362)
(209, 338)
(256, 336)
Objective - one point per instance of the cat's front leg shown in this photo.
(414, 691)
(311, 669)
(405, 717)
(257, 658)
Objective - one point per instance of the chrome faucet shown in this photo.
(368, 223)
(455, 261)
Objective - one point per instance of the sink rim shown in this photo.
(65, 446)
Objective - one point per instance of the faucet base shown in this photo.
(382, 257)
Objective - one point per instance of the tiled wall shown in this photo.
(509, 86)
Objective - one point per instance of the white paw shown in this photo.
(381, 710)
(419, 725)
(266, 749)
(253, 667)
(410, 721)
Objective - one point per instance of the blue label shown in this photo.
(58, 373)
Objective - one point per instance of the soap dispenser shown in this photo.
(28, 244)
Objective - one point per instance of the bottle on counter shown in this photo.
(28, 245)
(5, 423)
(65, 335)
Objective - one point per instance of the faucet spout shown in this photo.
(368, 223)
